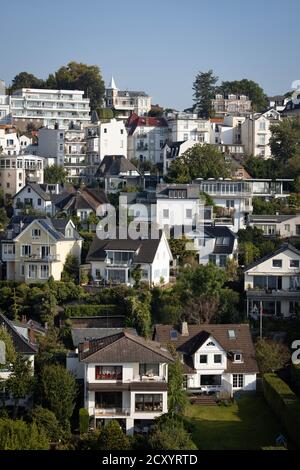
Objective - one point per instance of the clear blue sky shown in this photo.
(157, 45)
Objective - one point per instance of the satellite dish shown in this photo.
(2, 352)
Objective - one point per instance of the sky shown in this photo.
(157, 46)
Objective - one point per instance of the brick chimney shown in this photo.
(184, 329)
(86, 346)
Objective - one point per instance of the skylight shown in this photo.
(173, 335)
(231, 334)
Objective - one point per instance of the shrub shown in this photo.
(83, 310)
(83, 420)
(284, 403)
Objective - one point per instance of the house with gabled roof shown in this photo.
(215, 358)
(125, 379)
(272, 284)
(113, 260)
(36, 248)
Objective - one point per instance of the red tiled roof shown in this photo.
(135, 121)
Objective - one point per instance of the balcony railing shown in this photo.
(117, 263)
(37, 257)
(99, 411)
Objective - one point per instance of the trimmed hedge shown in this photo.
(85, 310)
(295, 377)
(83, 420)
(284, 403)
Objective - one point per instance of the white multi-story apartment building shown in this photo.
(16, 170)
(272, 284)
(187, 126)
(104, 138)
(256, 133)
(125, 102)
(125, 379)
(216, 358)
(4, 105)
(146, 138)
(228, 104)
(44, 107)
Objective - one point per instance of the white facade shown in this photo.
(29, 197)
(273, 285)
(284, 226)
(14, 144)
(210, 363)
(104, 138)
(256, 133)
(112, 269)
(147, 141)
(186, 126)
(175, 150)
(50, 107)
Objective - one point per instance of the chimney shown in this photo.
(86, 346)
(24, 319)
(31, 336)
(184, 329)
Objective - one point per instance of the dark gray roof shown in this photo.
(39, 189)
(221, 232)
(132, 94)
(124, 347)
(144, 250)
(164, 190)
(114, 165)
(270, 218)
(21, 344)
(284, 247)
(79, 335)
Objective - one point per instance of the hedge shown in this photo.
(83, 420)
(295, 377)
(284, 403)
(85, 310)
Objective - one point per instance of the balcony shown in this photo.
(142, 147)
(111, 411)
(110, 262)
(269, 294)
(40, 258)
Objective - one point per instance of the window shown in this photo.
(32, 271)
(108, 400)
(218, 358)
(237, 357)
(203, 359)
(29, 190)
(210, 380)
(26, 250)
(122, 131)
(44, 271)
(210, 343)
(148, 402)
(8, 249)
(294, 263)
(222, 261)
(108, 373)
(173, 335)
(277, 263)
(238, 380)
(222, 241)
(149, 370)
(39, 202)
(22, 270)
(188, 213)
(166, 213)
(262, 125)
(287, 227)
(212, 259)
(231, 334)
(185, 137)
(230, 203)
(36, 232)
(105, 130)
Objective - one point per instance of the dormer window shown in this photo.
(238, 357)
(231, 334)
(277, 263)
(36, 233)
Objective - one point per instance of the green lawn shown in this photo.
(247, 424)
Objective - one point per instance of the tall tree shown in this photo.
(271, 355)
(177, 399)
(285, 140)
(18, 435)
(246, 87)
(79, 76)
(57, 391)
(204, 91)
(199, 161)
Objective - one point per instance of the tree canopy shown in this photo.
(246, 87)
(204, 91)
(199, 161)
(73, 76)
(55, 174)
